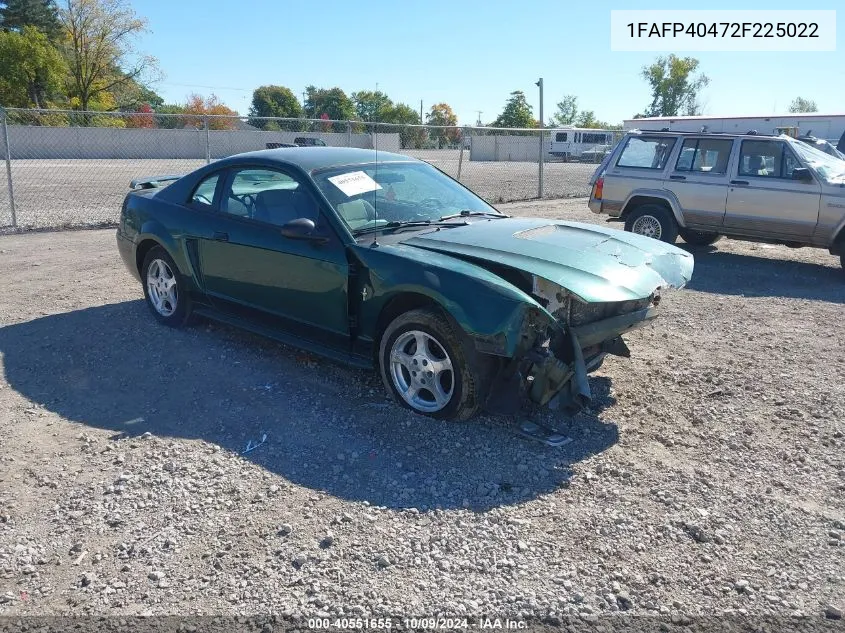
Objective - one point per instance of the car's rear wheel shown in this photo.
(164, 288)
(653, 220)
(431, 367)
(699, 238)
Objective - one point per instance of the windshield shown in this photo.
(829, 169)
(395, 192)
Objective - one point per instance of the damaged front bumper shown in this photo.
(553, 371)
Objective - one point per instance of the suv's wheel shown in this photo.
(698, 238)
(164, 288)
(431, 368)
(653, 220)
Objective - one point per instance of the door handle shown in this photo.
(674, 177)
(739, 182)
(220, 236)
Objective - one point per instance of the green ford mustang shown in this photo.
(381, 260)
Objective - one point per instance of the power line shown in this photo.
(167, 83)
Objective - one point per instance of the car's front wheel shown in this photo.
(699, 238)
(431, 368)
(164, 288)
(653, 220)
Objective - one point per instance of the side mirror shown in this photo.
(803, 174)
(299, 229)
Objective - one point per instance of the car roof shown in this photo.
(317, 157)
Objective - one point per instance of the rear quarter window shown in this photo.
(646, 152)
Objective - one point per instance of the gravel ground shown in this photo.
(706, 479)
(79, 193)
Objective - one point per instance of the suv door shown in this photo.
(251, 270)
(764, 200)
(699, 180)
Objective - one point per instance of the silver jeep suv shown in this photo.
(702, 186)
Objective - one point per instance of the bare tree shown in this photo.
(100, 47)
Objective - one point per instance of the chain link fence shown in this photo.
(66, 169)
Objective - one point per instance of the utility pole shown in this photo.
(421, 119)
(478, 122)
(540, 162)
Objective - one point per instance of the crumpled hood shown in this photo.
(596, 263)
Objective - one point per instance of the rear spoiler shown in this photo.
(152, 182)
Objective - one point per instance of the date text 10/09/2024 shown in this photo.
(433, 624)
(765, 30)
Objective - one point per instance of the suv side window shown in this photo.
(646, 152)
(767, 159)
(705, 155)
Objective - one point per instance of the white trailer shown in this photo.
(569, 143)
(830, 127)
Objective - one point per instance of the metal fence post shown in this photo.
(207, 141)
(461, 157)
(349, 134)
(9, 171)
(539, 84)
(540, 183)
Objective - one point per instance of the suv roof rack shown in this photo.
(688, 133)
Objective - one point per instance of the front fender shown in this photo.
(497, 314)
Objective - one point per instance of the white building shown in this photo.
(827, 126)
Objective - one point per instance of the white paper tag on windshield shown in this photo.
(354, 182)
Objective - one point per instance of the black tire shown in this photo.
(698, 238)
(471, 372)
(646, 216)
(180, 314)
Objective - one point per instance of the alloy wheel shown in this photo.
(422, 371)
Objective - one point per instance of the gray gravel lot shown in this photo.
(75, 193)
(706, 479)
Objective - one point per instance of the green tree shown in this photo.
(405, 115)
(800, 104)
(42, 14)
(170, 122)
(372, 105)
(441, 115)
(32, 69)
(517, 112)
(586, 118)
(566, 113)
(273, 101)
(674, 86)
(99, 39)
(331, 102)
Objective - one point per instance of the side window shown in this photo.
(646, 152)
(204, 193)
(767, 159)
(268, 196)
(560, 137)
(706, 155)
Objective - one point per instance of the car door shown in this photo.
(253, 271)
(699, 180)
(764, 200)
